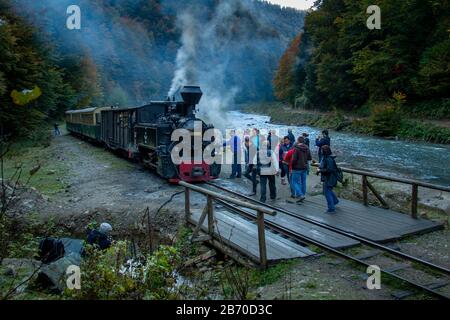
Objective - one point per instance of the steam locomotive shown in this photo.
(144, 133)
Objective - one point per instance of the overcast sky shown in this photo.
(299, 4)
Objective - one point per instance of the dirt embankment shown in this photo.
(79, 183)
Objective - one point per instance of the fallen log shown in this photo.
(200, 258)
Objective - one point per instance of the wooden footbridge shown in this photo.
(250, 231)
(242, 226)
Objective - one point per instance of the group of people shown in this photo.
(288, 157)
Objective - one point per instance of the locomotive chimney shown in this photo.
(191, 94)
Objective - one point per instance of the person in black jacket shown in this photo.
(291, 136)
(56, 130)
(321, 141)
(307, 141)
(328, 170)
(100, 237)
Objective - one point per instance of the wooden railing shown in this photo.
(415, 184)
(208, 211)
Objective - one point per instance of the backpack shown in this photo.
(339, 173)
(50, 249)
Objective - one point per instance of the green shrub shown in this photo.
(113, 275)
(384, 120)
(430, 109)
(423, 131)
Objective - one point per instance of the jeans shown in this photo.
(299, 182)
(331, 197)
(285, 171)
(236, 167)
(272, 187)
(252, 175)
(291, 185)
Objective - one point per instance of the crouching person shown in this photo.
(269, 169)
(101, 237)
(328, 171)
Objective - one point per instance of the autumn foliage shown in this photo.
(285, 79)
(345, 65)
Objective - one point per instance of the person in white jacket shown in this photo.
(268, 169)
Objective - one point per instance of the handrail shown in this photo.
(394, 179)
(213, 194)
(209, 212)
(366, 185)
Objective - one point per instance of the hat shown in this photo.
(105, 228)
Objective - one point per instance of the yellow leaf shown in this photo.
(26, 96)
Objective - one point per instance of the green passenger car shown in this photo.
(85, 122)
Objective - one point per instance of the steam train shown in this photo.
(144, 133)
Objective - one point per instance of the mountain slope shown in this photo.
(132, 46)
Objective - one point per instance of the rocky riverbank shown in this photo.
(406, 128)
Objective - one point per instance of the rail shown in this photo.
(367, 185)
(208, 211)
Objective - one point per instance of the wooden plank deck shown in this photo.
(242, 235)
(310, 230)
(373, 223)
(376, 224)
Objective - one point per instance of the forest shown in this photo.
(125, 53)
(338, 63)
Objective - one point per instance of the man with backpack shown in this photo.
(300, 163)
(330, 175)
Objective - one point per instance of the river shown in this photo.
(416, 160)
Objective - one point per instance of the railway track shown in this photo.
(418, 264)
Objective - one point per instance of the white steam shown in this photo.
(204, 59)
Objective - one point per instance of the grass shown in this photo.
(272, 274)
(26, 156)
(311, 284)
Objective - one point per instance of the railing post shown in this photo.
(414, 200)
(262, 240)
(365, 190)
(187, 203)
(210, 210)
